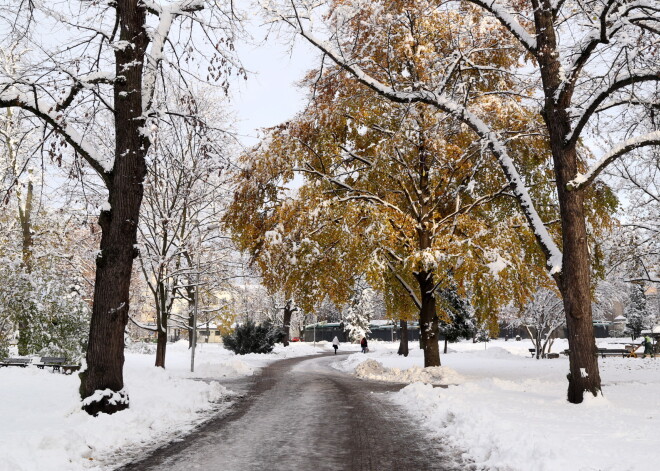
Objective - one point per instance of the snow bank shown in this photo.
(43, 428)
(372, 369)
(510, 411)
(49, 431)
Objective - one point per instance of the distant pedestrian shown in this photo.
(335, 344)
(648, 346)
(363, 344)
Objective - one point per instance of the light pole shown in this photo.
(315, 322)
(210, 227)
(194, 326)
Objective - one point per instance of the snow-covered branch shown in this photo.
(142, 326)
(355, 194)
(600, 96)
(509, 22)
(166, 15)
(405, 285)
(457, 110)
(443, 103)
(11, 96)
(650, 139)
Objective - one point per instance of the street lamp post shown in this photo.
(194, 326)
(316, 321)
(210, 227)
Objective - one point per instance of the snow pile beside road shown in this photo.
(511, 413)
(226, 369)
(49, 431)
(42, 427)
(372, 369)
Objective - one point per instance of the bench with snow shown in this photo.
(607, 352)
(545, 355)
(613, 352)
(57, 364)
(21, 362)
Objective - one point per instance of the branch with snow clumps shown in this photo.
(443, 103)
(650, 139)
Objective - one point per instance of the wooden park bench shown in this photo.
(21, 362)
(613, 352)
(609, 352)
(54, 362)
(57, 364)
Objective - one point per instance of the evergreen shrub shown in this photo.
(251, 338)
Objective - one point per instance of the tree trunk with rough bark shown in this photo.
(574, 280)
(102, 382)
(25, 218)
(403, 341)
(288, 312)
(161, 324)
(428, 320)
(161, 348)
(191, 322)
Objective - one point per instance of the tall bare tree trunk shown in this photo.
(575, 285)
(161, 325)
(25, 218)
(105, 353)
(574, 281)
(161, 348)
(191, 317)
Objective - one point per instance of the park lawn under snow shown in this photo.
(502, 409)
(43, 429)
(507, 411)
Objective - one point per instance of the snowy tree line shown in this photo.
(457, 158)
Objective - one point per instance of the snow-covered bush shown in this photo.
(636, 312)
(359, 312)
(251, 338)
(49, 311)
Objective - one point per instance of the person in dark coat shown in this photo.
(363, 344)
(335, 344)
(648, 346)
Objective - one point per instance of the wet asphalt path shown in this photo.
(301, 414)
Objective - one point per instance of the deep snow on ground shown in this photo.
(507, 411)
(43, 429)
(503, 409)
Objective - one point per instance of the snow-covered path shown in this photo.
(303, 414)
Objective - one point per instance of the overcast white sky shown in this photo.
(270, 95)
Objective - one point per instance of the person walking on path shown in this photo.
(363, 344)
(335, 344)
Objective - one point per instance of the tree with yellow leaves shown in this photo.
(593, 71)
(443, 214)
